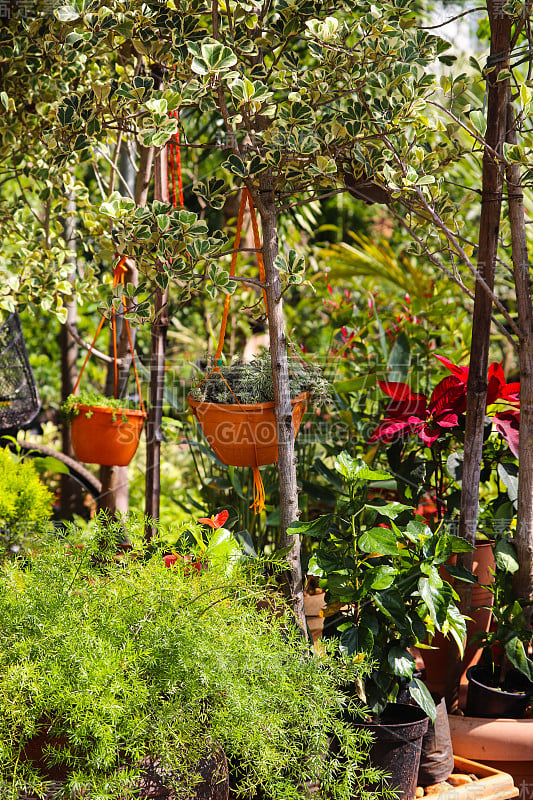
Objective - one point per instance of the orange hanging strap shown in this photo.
(224, 322)
(137, 381)
(118, 278)
(178, 164)
(89, 351)
(257, 245)
(258, 504)
(175, 181)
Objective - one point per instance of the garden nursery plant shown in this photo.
(235, 408)
(111, 662)
(379, 565)
(251, 382)
(104, 430)
(502, 683)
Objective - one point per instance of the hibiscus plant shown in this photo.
(379, 564)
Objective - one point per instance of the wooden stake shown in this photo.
(491, 202)
(523, 538)
(157, 375)
(288, 488)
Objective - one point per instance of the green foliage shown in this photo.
(252, 382)
(379, 565)
(25, 504)
(167, 245)
(510, 632)
(296, 96)
(71, 406)
(119, 659)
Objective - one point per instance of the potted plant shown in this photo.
(379, 565)
(501, 685)
(497, 728)
(104, 430)
(118, 674)
(235, 408)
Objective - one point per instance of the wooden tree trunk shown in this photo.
(491, 202)
(71, 494)
(114, 497)
(288, 488)
(523, 580)
(157, 376)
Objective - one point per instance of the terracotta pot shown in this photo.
(435, 661)
(504, 744)
(109, 436)
(244, 435)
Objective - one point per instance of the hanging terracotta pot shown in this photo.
(244, 435)
(106, 436)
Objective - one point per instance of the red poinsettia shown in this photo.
(497, 386)
(507, 423)
(410, 412)
(216, 521)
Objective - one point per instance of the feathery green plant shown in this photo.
(120, 659)
(252, 382)
(25, 503)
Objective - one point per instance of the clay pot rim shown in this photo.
(108, 410)
(238, 407)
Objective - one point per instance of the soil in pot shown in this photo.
(487, 699)
(397, 745)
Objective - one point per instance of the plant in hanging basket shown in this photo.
(235, 408)
(104, 430)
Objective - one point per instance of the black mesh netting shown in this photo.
(19, 398)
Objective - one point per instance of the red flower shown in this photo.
(188, 561)
(459, 372)
(216, 521)
(497, 387)
(410, 412)
(507, 424)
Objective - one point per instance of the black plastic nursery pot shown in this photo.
(486, 699)
(436, 759)
(397, 745)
